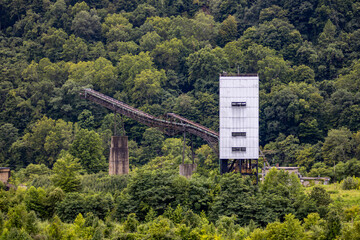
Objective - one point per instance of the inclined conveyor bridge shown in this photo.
(171, 124)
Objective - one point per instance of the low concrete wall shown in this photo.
(309, 181)
(187, 170)
(119, 156)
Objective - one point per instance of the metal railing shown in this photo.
(168, 126)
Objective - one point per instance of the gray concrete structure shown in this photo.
(119, 156)
(187, 170)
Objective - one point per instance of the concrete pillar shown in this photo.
(187, 170)
(4, 174)
(119, 156)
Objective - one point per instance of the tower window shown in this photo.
(237, 134)
(239, 149)
(238, 104)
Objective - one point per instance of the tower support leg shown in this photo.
(224, 166)
(119, 156)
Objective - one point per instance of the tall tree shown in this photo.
(87, 147)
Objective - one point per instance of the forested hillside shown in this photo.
(166, 56)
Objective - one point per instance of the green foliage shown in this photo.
(45, 140)
(66, 173)
(337, 146)
(204, 67)
(229, 201)
(350, 183)
(35, 200)
(322, 200)
(103, 183)
(333, 224)
(32, 171)
(147, 86)
(87, 147)
(8, 135)
(86, 25)
(152, 142)
(165, 56)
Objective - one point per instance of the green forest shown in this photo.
(166, 56)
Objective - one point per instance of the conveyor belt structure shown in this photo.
(172, 124)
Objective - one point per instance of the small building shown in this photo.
(4, 174)
(295, 170)
(309, 181)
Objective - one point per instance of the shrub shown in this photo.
(350, 183)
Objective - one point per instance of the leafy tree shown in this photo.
(337, 146)
(204, 67)
(70, 207)
(277, 34)
(55, 229)
(141, 13)
(283, 150)
(57, 15)
(350, 81)
(87, 147)
(243, 205)
(147, 86)
(53, 41)
(165, 188)
(328, 34)
(253, 54)
(284, 194)
(169, 54)
(149, 41)
(298, 106)
(16, 217)
(86, 25)
(268, 14)
(130, 65)
(8, 135)
(35, 200)
(86, 119)
(105, 76)
(314, 226)
(96, 51)
(78, 7)
(116, 50)
(320, 169)
(152, 143)
(131, 223)
(206, 157)
(321, 198)
(17, 234)
(66, 173)
(308, 155)
(227, 227)
(45, 140)
(290, 229)
(227, 30)
(333, 225)
(74, 49)
(205, 27)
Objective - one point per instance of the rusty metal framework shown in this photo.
(171, 125)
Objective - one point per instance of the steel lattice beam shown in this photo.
(168, 126)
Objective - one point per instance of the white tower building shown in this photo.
(239, 123)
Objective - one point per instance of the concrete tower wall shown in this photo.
(119, 156)
(239, 117)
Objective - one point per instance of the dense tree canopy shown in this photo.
(166, 56)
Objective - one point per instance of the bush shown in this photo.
(103, 182)
(350, 183)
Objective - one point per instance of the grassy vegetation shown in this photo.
(345, 198)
